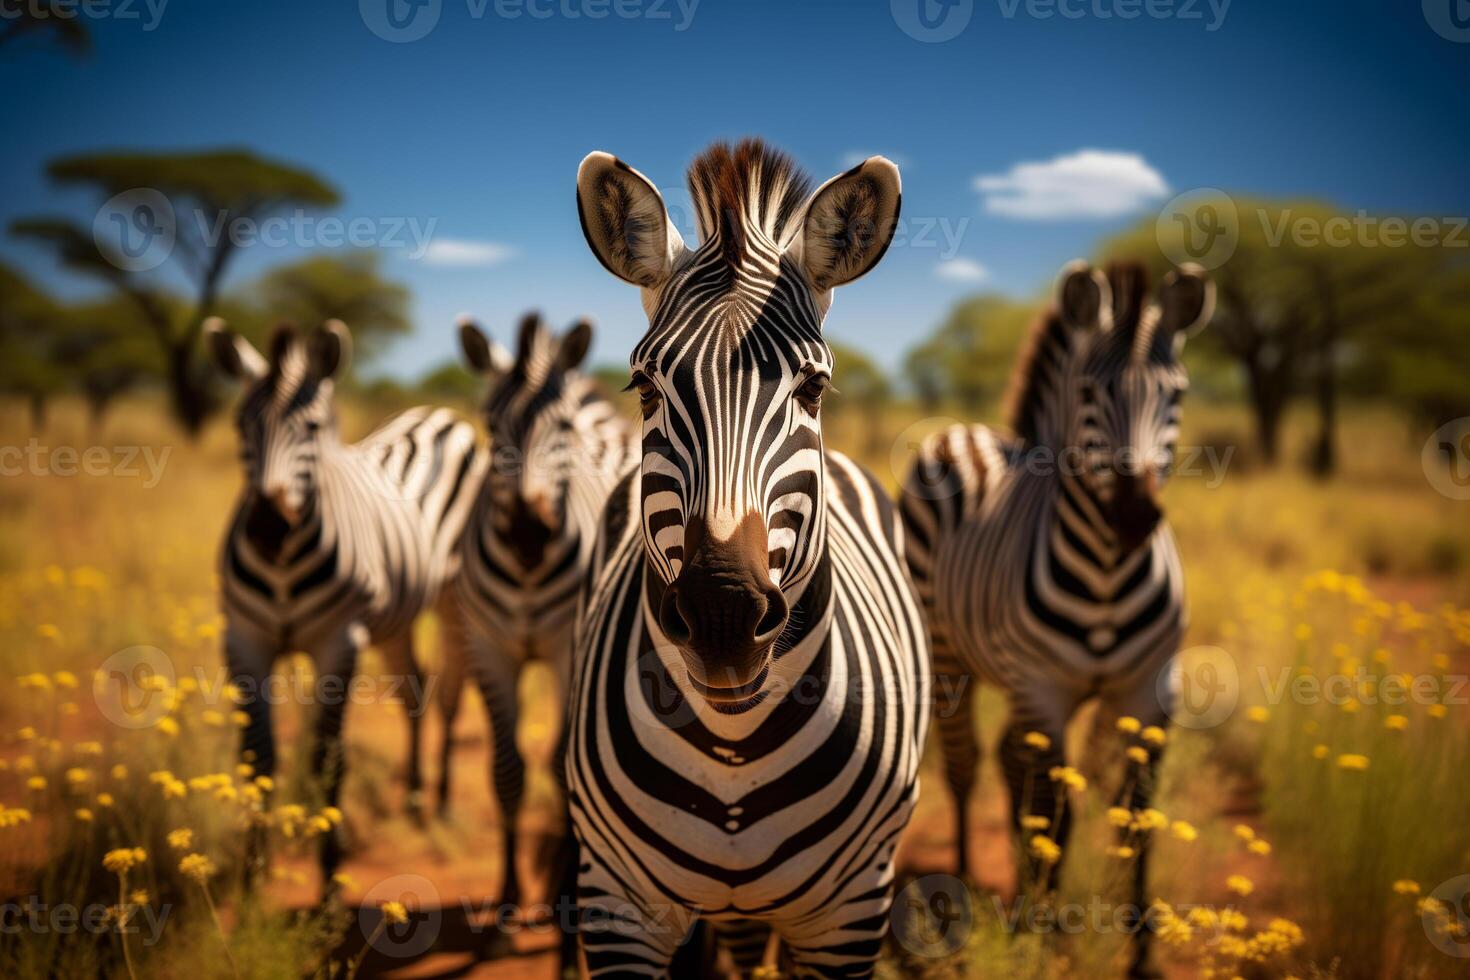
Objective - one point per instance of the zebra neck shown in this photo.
(1080, 539)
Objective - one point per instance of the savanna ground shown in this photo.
(1297, 835)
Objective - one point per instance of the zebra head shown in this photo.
(730, 376)
(1126, 384)
(533, 411)
(286, 416)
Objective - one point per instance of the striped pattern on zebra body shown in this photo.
(557, 448)
(1043, 559)
(752, 679)
(333, 547)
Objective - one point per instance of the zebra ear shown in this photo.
(574, 345)
(236, 356)
(625, 222)
(482, 353)
(331, 349)
(849, 224)
(1084, 300)
(1186, 301)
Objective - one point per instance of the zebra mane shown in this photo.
(750, 187)
(1049, 345)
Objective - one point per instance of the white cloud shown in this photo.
(1085, 184)
(464, 252)
(962, 270)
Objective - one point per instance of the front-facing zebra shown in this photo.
(1044, 562)
(751, 692)
(332, 547)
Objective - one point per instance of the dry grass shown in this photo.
(91, 565)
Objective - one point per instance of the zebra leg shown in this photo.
(498, 675)
(248, 657)
(745, 940)
(453, 663)
(328, 759)
(1034, 796)
(622, 935)
(399, 653)
(955, 716)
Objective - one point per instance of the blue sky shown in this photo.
(473, 132)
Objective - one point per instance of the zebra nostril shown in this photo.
(671, 619)
(774, 620)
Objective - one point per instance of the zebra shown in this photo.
(332, 547)
(558, 447)
(752, 681)
(1043, 560)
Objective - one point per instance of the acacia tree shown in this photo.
(28, 362)
(207, 196)
(55, 20)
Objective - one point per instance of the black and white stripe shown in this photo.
(751, 688)
(1042, 559)
(333, 547)
(558, 447)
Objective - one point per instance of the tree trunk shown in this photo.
(1268, 401)
(1323, 461)
(188, 393)
(38, 411)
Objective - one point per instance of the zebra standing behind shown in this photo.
(1044, 562)
(558, 447)
(332, 547)
(752, 679)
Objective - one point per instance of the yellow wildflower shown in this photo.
(1183, 830)
(1037, 740)
(1396, 723)
(1045, 849)
(1068, 776)
(1244, 832)
(181, 839)
(36, 782)
(123, 859)
(1240, 884)
(1034, 822)
(1354, 762)
(1153, 735)
(1138, 754)
(1119, 816)
(197, 866)
(1259, 847)
(1122, 851)
(1320, 751)
(1406, 886)
(168, 726)
(1438, 711)
(394, 912)
(84, 815)
(1257, 713)
(104, 799)
(1129, 725)
(65, 679)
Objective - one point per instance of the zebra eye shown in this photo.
(648, 395)
(810, 392)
